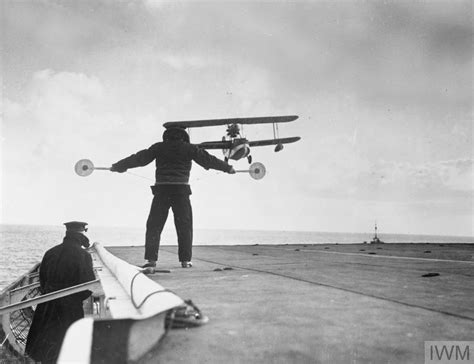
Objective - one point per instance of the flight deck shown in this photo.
(357, 303)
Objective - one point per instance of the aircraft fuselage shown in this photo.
(240, 149)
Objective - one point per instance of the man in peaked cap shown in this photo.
(62, 266)
(173, 158)
(77, 227)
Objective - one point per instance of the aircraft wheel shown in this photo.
(249, 158)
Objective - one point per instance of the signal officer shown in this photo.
(173, 158)
(64, 265)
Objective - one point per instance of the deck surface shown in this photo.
(317, 303)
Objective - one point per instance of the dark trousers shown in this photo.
(183, 221)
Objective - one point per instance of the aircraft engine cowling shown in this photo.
(239, 151)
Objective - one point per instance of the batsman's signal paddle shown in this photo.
(85, 167)
(257, 170)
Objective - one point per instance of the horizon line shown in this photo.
(264, 230)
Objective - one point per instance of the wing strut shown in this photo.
(276, 136)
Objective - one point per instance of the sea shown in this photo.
(24, 245)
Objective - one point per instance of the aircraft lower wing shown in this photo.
(261, 143)
(216, 145)
(227, 144)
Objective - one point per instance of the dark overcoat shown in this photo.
(64, 265)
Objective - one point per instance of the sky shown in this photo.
(383, 91)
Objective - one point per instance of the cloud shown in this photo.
(442, 176)
(155, 4)
(388, 54)
(457, 175)
(441, 180)
(58, 97)
(60, 111)
(64, 96)
(339, 168)
(181, 62)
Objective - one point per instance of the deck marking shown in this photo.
(391, 256)
(357, 254)
(377, 256)
(343, 289)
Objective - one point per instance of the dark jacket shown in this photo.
(63, 266)
(173, 161)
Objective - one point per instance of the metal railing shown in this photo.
(50, 296)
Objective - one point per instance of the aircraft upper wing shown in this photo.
(214, 122)
(216, 145)
(260, 143)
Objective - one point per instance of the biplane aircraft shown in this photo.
(234, 145)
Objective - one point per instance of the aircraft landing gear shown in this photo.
(249, 158)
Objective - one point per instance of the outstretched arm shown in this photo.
(139, 159)
(206, 160)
